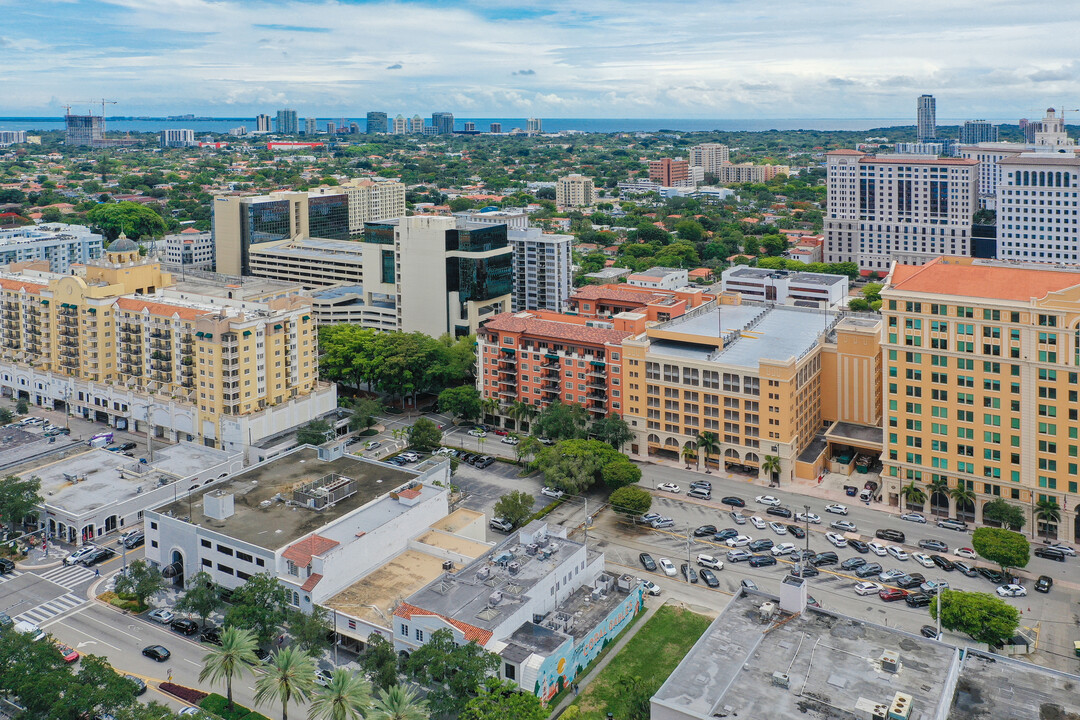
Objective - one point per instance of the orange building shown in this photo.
(669, 172)
(605, 301)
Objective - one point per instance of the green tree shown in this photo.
(574, 466)
(258, 605)
(315, 432)
(912, 494)
(619, 472)
(22, 406)
(688, 453)
(6, 416)
(631, 501)
(515, 507)
(708, 444)
(963, 496)
(613, 430)
(690, 230)
(134, 220)
(18, 498)
(1006, 548)
(288, 675)
(365, 413)
(858, 305)
(634, 695)
(774, 245)
(1048, 512)
(347, 354)
(309, 631)
(95, 686)
(405, 363)
(346, 697)
(141, 580)
(770, 465)
(201, 598)
(559, 421)
(380, 662)
(498, 700)
(1000, 510)
(981, 616)
(424, 434)
(528, 447)
(872, 292)
(649, 233)
(399, 703)
(234, 657)
(463, 402)
(451, 672)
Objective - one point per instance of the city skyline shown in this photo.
(534, 60)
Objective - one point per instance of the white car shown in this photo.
(1063, 548)
(409, 456)
(372, 444)
(710, 562)
(668, 487)
(757, 522)
(161, 615)
(510, 440)
(80, 554)
(551, 492)
(1012, 591)
(778, 528)
(844, 526)
(668, 567)
(923, 559)
(443, 451)
(877, 548)
(965, 553)
(868, 588)
(739, 541)
(914, 517)
(477, 432)
(650, 587)
(836, 539)
(897, 552)
(808, 517)
(767, 500)
(836, 509)
(782, 549)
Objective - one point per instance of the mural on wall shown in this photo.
(564, 666)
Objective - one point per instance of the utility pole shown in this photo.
(806, 522)
(586, 521)
(939, 591)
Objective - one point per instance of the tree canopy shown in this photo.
(502, 700)
(424, 434)
(981, 616)
(514, 507)
(631, 501)
(451, 672)
(1006, 548)
(462, 401)
(1010, 516)
(133, 219)
(18, 498)
(258, 605)
(576, 465)
(560, 421)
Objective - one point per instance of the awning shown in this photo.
(551, 356)
(278, 326)
(597, 363)
(306, 318)
(200, 334)
(246, 333)
(509, 351)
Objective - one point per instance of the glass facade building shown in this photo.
(328, 216)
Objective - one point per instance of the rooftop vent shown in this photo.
(780, 679)
(495, 598)
(218, 505)
(890, 661)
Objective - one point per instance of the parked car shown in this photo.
(782, 549)
(942, 562)
(668, 487)
(710, 562)
(897, 552)
(761, 560)
(964, 568)
(647, 562)
(211, 635)
(917, 600)
(1011, 590)
(701, 485)
(923, 559)
(709, 578)
(824, 558)
(796, 531)
(668, 567)
(661, 523)
(725, 534)
(739, 541)
(157, 652)
(699, 494)
(1063, 548)
(929, 631)
(891, 594)
(737, 555)
(372, 444)
(688, 572)
(767, 500)
(890, 576)
(1044, 583)
(733, 501)
(69, 654)
(914, 517)
(858, 546)
(953, 524)
(485, 461)
(184, 626)
(836, 539)
(852, 563)
(867, 588)
(551, 492)
(6, 566)
(97, 557)
(778, 528)
(1048, 553)
(890, 535)
(757, 522)
(965, 552)
(501, 524)
(161, 615)
(478, 433)
(877, 548)
(510, 440)
(748, 584)
(546, 441)
(409, 456)
(933, 587)
(868, 570)
(779, 511)
(992, 575)
(323, 678)
(808, 517)
(140, 684)
(650, 516)
(737, 517)
(836, 509)
(844, 526)
(704, 530)
(79, 554)
(760, 545)
(650, 587)
(804, 570)
(135, 540)
(935, 545)
(908, 582)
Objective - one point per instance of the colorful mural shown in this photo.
(563, 667)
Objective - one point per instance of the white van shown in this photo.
(30, 629)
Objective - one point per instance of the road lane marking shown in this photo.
(96, 639)
(198, 665)
(112, 627)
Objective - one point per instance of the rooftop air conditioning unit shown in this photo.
(495, 598)
(890, 661)
(901, 707)
(780, 679)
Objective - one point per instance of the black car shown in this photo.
(98, 556)
(943, 562)
(705, 531)
(157, 652)
(804, 570)
(733, 501)
(852, 563)
(825, 558)
(709, 578)
(760, 545)
(858, 546)
(1050, 554)
(688, 572)
(762, 560)
(917, 600)
(140, 684)
(803, 554)
(992, 575)
(468, 458)
(184, 626)
(780, 511)
(725, 534)
(795, 531)
(1044, 583)
(6, 566)
(929, 631)
(868, 570)
(135, 540)
(910, 581)
(262, 655)
(890, 535)
(647, 562)
(211, 635)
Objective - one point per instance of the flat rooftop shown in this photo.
(992, 686)
(20, 446)
(832, 663)
(315, 248)
(251, 289)
(276, 524)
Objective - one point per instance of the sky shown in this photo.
(994, 59)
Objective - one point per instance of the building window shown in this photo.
(206, 543)
(419, 635)
(225, 569)
(404, 630)
(509, 671)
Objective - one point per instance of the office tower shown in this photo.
(354, 128)
(709, 156)
(981, 361)
(82, 130)
(898, 208)
(533, 125)
(443, 122)
(287, 123)
(176, 138)
(543, 270)
(1028, 128)
(728, 173)
(262, 123)
(328, 214)
(470, 127)
(371, 200)
(311, 126)
(12, 137)
(926, 114)
(977, 131)
(331, 127)
(376, 123)
(575, 191)
(669, 172)
(401, 125)
(496, 128)
(1042, 230)
(189, 249)
(416, 125)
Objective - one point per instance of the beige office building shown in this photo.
(373, 200)
(709, 157)
(728, 173)
(575, 191)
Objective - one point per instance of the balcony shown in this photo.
(596, 384)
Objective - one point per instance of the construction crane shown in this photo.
(103, 102)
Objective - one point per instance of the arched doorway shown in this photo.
(88, 533)
(939, 504)
(1076, 526)
(965, 510)
(175, 569)
(110, 524)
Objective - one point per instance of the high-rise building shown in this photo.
(11, 137)
(982, 363)
(287, 123)
(1046, 232)
(189, 249)
(709, 157)
(58, 244)
(416, 125)
(331, 127)
(175, 138)
(401, 125)
(978, 131)
(728, 173)
(376, 123)
(262, 123)
(533, 125)
(883, 209)
(575, 191)
(470, 127)
(311, 126)
(926, 118)
(443, 122)
(496, 128)
(82, 130)
(669, 172)
(371, 200)
(354, 128)
(543, 270)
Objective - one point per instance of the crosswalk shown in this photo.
(68, 576)
(52, 608)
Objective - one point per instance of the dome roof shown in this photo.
(123, 244)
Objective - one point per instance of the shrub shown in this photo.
(368, 433)
(188, 695)
(218, 705)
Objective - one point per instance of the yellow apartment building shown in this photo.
(982, 361)
(120, 343)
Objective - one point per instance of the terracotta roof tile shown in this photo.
(553, 330)
(300, 553)
(160, 309)
(471, 632)
(987, 281)
(32, 288)
(409, 494)
(311, 582)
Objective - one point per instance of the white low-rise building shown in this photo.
(785, 286)
(660, 278)
(58, 244)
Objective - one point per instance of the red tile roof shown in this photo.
(553, 330)
(409, 494)
(32, 288)
(845, 152)
(471, 632)
(161, 309)
(300, 553)
(987, 281)
(311, 582)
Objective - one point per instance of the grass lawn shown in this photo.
(652, 654)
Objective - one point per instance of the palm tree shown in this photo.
(911, 494)
(938, 486)
(233, 657)
(289, 674)
(771, 466)
(707, 443)
(346, 697)
(963, 495)
(1048, 512)
(490, 406)
(398, 703)
(688, 454)
(529, 413)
